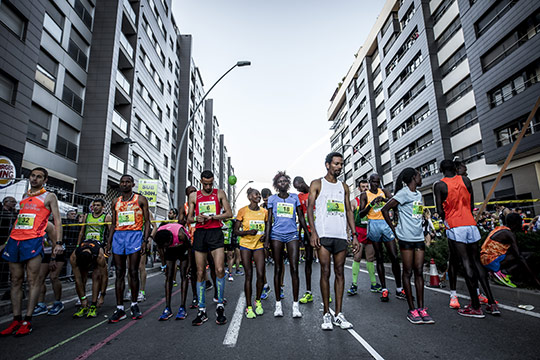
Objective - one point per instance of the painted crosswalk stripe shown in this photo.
(234, 326)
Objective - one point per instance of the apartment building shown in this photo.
(211, 143)
(419, 92)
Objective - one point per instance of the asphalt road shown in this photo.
(380, 331)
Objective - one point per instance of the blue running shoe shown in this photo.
(167, 314)
(266, 290)
(281, 293)
(376, 288)
(40, 309)
(57, 308)
(182, 314)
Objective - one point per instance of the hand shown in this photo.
(315, 241)
(107, 250)
(58, 249)
(267, 244)
(143, 248)
(355, 245)
(252, 232)
(202, 218)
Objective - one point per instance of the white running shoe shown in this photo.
(327, 322)
(279, 311)
(340, 321)
(296, 310)
(141, 297)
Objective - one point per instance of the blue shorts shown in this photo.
(284, 238)
(495, 265)
(252, 250)
(464, 234)
(126, 242)
(378, 230)
(17, 251)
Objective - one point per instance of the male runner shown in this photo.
(127, 242)
(192, 274)
(371, 203)
(95, 230)
(24, 248)
(89, 255)
(330, 198)
(454, 201)
(303, 194)
(361, 229)
(205, 208)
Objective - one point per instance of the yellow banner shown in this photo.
(149, 188)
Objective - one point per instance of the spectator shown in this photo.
(70, 237)
(427, 225)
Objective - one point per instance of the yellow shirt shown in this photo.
(375, 212)
(252, 220)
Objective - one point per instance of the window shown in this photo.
(471, 153)
(492, 15)
(12, 19)
(53, 22)
(516, 38)
(387, 167)
(135, 160)
(83, 13)
(453, 61)
(153, 40)
(67, 140)
(409, 69)
(428, 169)
(78, 48)
(358, 109)
(46, 70)
(407, 17)
(8, 88)
(408, 97)
(388, 22)
(382, 128)
(73, 93)
(415, 147)
(146, 167)
(359, 127)
(376, 72)
(457, 92)
(380, 109)
(38, 126)
(515, 85)
(165, 160)
(402, 51)
(385, 146)
(390, 43)
(463, 122)
(448, 33)
(439, 12)
(509, 132)
(411, 122)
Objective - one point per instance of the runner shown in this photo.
(89, 256)
(192, 274)
(303, 194)
(454, 201)
(330, 199)
(251, 219)
(410, 235)
(227, 229)
(283, 209)
(371, 203)
(24, 248)
(126, 240)
(205, 209)
(365, 244)
(266, 193)
(174, 242)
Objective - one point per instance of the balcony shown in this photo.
(123, 82)
(119, 121)
(130, 12)
(126, 45)
(116, 164)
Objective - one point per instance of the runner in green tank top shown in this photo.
(95, 232)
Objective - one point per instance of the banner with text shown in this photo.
(149, 188)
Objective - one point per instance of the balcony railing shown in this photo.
(130, 12)
(116, 164)
(122, 81)
(126, 45)
(119, 121)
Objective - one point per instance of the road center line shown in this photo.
(502, 306)
(363, 342)
(234, 327)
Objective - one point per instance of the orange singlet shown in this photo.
(457, 206)
(32, 219)
(129, 215)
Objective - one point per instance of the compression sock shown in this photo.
(201, 290)
(220, 289)
(371, 270)
(355, 271)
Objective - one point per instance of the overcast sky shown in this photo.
(273, 113)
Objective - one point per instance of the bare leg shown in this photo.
(407, 256)
(120, 265)
(142, 272)
(419, 276)
(32, 272)
(134, 261)
(392, 253)
(16, 271)
(293, 249)
(277, 251)
(248, 272)
(339, 281)
(260, 267)
(324, 259)
(55, 281)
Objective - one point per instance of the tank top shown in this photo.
(174, 228)
(492, 249)
(95, 232)
(358, 221)
(375, 212)
(457, 206)
(331, 220)
(208, 205)
(32, 218)
(129, 215)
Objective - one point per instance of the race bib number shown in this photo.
(285, 210)
(257, 225)
(126, 218)
(93, 236)
(335, 207)
(417, 210)
(25, 221)
(207, 208)
(378, 206)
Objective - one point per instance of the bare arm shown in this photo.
(364, 208)
(191, 207)
(239, 232)
(302, 220)
(112, 228)
(224, 205)
(440, 190)
(386, 213)
(143, 203)
(314, 190)
(268, 228)
(52, 204)
(350, 219)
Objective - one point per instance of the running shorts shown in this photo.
(17, 251)
(205, 240)
(468, 234)
(378, 230)
(177, 253)
(334, 245)
(284, 238)
(127, 242)
(495, 265)
(412, 245)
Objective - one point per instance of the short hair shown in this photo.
(298, 179)
(266, 192)
(279, 175)
(364, 181)
(84, 259)
(251, 190)
(514, 221)
(189, 189)
(43, 170)
(332, 155)
(101, 201)
(373, 175)
(163, 237)
(174, 210)
(447, 165)
(129, 176)
(207, 174)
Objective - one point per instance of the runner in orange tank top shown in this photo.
(130, 216)
(24, 248)
(454, 201)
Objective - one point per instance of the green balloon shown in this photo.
(232, 179)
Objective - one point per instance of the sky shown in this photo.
(274, 113)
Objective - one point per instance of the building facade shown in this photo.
(423, 89)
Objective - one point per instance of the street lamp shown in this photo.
(181, 143)
(238, 194)
(129, 141)
(362, 156)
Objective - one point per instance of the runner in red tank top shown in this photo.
(205, 209)
(24, 248)
(454, 201)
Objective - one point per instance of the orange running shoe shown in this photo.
(454, 303)
(384, 296)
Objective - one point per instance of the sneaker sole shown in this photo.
(53, 314)
(472, 316)
(199, 324)
(138, 317)
(415, 322)
(278, 315)
(327, 329)
(428, 322)
(165, 319)
(350, 294)
(297, 316)
(115, 321)
(221, 323)
(21, 335)
(41, 313)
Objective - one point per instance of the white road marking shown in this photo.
(234, 326)
(363, 342)
(502, 306)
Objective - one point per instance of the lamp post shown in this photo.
(181, 142)
(129, 141)
(238, 194)
(362, 156)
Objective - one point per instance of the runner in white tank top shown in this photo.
(330, 197)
